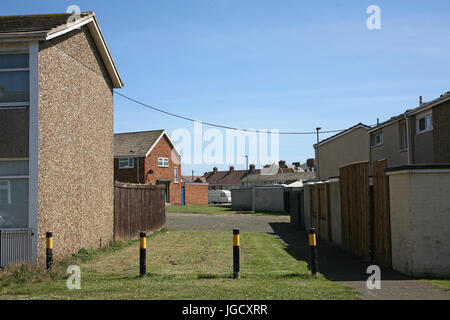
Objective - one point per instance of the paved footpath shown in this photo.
(334, 263)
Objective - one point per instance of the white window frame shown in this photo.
(163, 162)
(175, 175)
(375, 139)
(7, 187)
(22, 104)
(129, 165)
(424, 116)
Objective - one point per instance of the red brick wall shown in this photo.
(196, 194)
(164, 149)
(129, 175)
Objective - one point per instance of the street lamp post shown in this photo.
(318, 154)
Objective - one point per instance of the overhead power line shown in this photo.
(186, 118)
(215, 124)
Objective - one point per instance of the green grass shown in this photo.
(218, 210)
(442, 284)
(181, 265)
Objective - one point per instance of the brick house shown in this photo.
(56, 140)
(227, 180)
(417, 136)
(148, 157)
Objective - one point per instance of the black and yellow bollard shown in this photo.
(48, 250)
(143, 255)
(313, 255)
(236, 261)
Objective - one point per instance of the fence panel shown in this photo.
(137, 208)
(320, 210)
(381, 215)
(355, 208)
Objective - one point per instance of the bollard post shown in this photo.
(142, 254)
(49, 250)
(236, 261)
(313, 252)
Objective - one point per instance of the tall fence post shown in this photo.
(236, 244)
(143, 254)
(49, 250)
(313, 253)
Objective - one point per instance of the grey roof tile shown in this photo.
(135, 143)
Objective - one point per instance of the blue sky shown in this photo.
(288, 65)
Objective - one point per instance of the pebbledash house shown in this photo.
(56, 135)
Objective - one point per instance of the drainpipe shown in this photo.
(407, 136)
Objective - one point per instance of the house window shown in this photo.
(175, 179)
(425, 123)
(13, 194)
(163, 162)
(5, 192)
(126, 163)
(377, 139)
(14, 79)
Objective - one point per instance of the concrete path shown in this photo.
(334, 263)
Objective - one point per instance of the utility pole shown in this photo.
(318, 154)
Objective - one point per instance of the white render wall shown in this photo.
(420, 221)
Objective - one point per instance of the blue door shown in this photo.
(183, 199)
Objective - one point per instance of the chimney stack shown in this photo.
(252, 168)
(282, 164)
(215, 169)
(378, 121)
(310, 163)
(231, 168)
(420, 100)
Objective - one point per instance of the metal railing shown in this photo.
(15, 246)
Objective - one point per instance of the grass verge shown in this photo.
(218, 210)
(186, 265)
(442, 284)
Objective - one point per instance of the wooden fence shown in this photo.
(137, 208)
(381, 215)
(320, 210)
(355, 208)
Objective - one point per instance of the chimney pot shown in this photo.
(252, 168)
(420, 100)
(231, 168)
(215, 169)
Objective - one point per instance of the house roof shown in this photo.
(444, 97)
(49, 26)
(228, 178)
(138, 144)
(189, 179)
(356, 126)
(291, 176)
